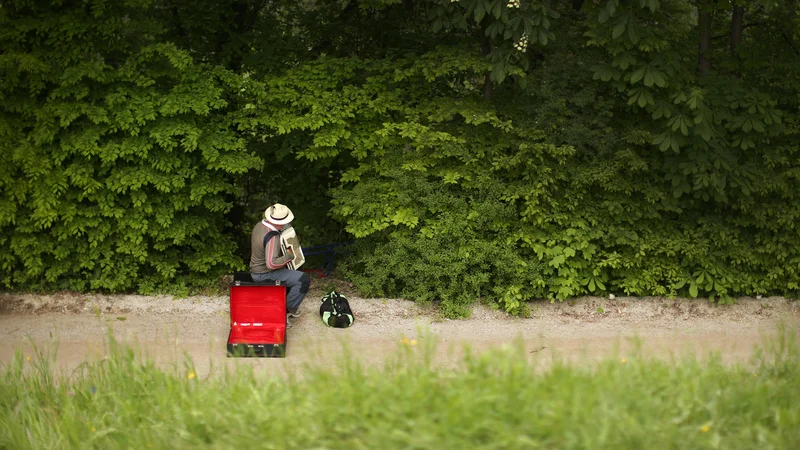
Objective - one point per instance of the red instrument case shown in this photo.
(258, 319)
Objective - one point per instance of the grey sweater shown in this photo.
(259, 263)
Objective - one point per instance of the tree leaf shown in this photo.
(666, 143)
(648, 77)
(637, 75)
(661, 138)
(479, 11)
(498, 73)
(618, 29)
(642, 99)
(611, 7)
(658, 77)
(633, 33)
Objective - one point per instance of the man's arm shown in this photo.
(274, 259)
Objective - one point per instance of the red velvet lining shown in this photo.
(258, 335)
(258, 314)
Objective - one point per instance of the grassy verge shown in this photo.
(493, 401)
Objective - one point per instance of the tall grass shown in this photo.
(493, 400)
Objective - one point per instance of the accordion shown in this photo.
(289, 240)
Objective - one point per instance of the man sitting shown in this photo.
(268, 263)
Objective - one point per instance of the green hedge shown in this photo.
(117, 160)
(474, 149)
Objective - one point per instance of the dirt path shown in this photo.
(585, 329)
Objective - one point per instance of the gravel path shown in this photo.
(581, 330)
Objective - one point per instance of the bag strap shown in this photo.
(268, 236)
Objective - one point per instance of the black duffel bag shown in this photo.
(335, 310)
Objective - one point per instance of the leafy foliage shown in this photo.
(117, 153)
(499, 149)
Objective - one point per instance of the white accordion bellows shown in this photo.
(289, 240)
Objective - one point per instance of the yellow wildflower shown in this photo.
(705, 428)
(28, 358)
(404, 340)
(191, 375)
(623, 360)
(413, 342)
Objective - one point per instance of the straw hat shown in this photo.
(278, 214)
